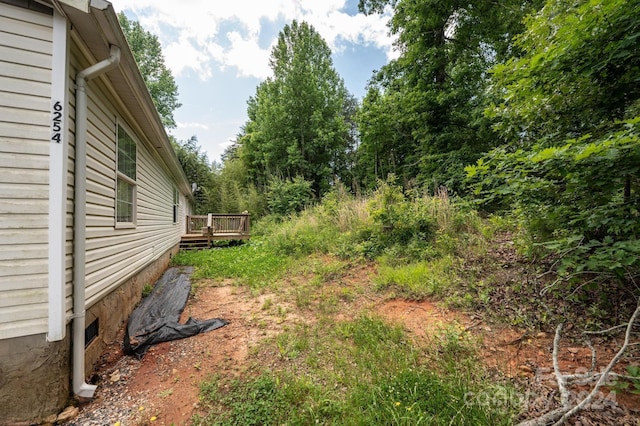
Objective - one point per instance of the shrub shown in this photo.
(412, 227)
(579, 200)
(287, 196)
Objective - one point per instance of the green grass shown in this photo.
(146, 289)
(363, 371)
(420, 279)
(359, 372)
(253, 264)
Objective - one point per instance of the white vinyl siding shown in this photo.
(25, 99)
(115, 254)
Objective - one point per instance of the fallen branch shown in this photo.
(560, 415)
(605, 373)
(560, 378)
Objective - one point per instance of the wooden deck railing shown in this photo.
(220, 226)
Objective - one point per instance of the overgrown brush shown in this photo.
(411, 227)
(417, 238)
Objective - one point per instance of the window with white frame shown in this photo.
(126, 180)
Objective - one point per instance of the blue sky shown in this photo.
(218, 51)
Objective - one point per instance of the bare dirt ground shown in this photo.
(162, 388)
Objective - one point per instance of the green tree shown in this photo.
(428, 104)
(198, 170)
(568, 109)
(148, 55)
(579, 72)
(232, 191)
(285, 197)
(344, 162)
(387, 146)
(296, 124)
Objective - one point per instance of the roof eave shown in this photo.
(99, 35)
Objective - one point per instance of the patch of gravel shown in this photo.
(113, 401)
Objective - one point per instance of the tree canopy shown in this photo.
(578, 74)
(147, 52)
(423, 115)
(297, 124)
(568, 110)
(197, 167)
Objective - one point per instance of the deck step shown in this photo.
(194, 244)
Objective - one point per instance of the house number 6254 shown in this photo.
(56, 122)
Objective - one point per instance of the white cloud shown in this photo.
(247, 56)
(182, 55)
(230, 140)
(192, 126)
(192, 38)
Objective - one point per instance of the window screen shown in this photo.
(126, 185)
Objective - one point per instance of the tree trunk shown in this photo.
(627, 190)
(441, 70)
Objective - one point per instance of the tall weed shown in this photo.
(412, 226)
(421, 279)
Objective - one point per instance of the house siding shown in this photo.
(35, 371)
(25, 93)
(116, 254)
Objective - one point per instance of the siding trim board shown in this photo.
(58, 154)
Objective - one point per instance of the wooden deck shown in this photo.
(203, 230)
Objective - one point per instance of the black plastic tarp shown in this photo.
(156, 318)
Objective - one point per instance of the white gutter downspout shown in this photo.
(80, 387)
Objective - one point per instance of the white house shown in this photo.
(93, 198)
